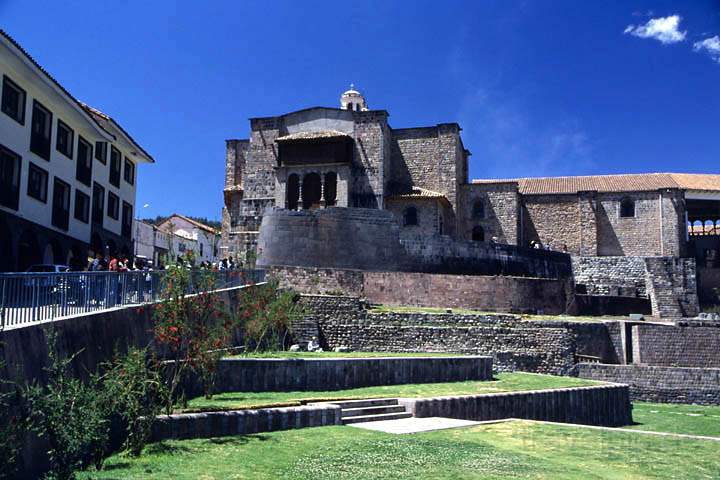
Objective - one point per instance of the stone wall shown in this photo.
(660, 384)
(306, 374)
(243, 422)
(484, 293)
(670, 283)
(500, 211)
(515, 344)
(685, 344)
(606, 405)
(552, 220)
(369, 239)
(672, 286)
(619, 276)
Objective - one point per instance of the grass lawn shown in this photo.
(503, 382)
(497, 451)
(341, 354)
(688, 419)
(563, 318)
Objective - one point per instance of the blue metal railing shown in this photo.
(27, 298)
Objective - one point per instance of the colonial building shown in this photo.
(188, 234)
(68, 172)
(351, 157)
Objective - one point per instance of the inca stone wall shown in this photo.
(671, 286)
(484, 293)
(661, 384)
(515, 344)
(429, 216)
(686, 344)
(552, 220)
(621, 276)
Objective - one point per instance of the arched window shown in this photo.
(627, 207)
(311, 190)
(330, 190)
(293, 192)
(357, 107)
(478, 210)
(410, 216)
(349, 106)
(478, 234)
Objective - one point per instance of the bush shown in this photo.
(268, 313)
(134, 390)
(13, 424)
(70, 415)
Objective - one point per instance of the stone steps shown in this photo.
(376, 418)
(371, 410)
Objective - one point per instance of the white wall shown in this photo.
(16, 137)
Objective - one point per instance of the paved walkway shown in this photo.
(415, 425)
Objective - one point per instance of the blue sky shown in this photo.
(540, 88)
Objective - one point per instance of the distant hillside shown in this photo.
(210, 223)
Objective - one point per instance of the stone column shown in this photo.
(587, 207)
(301, 177)
(322, 190)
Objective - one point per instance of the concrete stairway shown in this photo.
(372, 410)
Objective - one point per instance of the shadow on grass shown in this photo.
(238, 439)
(161, 448)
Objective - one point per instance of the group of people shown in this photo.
(112, 263)
(539, 246)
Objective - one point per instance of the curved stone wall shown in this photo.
(357, 238)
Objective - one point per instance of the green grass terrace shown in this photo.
(503, 382)
(514, 449)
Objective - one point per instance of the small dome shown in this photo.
(353, 100)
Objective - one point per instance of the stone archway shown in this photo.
(330, 189)
(311, 191)
(53, 254)
(293, 192)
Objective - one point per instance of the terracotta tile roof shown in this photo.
(199, 225)
(96, 116)
(418, 192)
(637, 182)
(42, 70)
(101, 117)
(313, 135)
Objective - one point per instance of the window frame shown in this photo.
(406, 216)
(478, 209)
(126, 228)
(23, 103)
(64, 221)
(130, 163)
(10, 197)
(623, 206)
(101, 210)
(43, 150)
(116, 214)
(84, 215)
(33, 167)
(101, 152)
(71, 144)
(114, 176)
(83, 170)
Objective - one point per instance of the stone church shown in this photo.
(351, 157)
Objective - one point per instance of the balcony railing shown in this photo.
(28, 298)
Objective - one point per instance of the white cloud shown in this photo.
(663, 29)
(711, 46)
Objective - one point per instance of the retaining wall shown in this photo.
(514, 343)
(243, 422)
(685, 344)
(272, 375)
(660, 384)
(485, 293)
(607, 405)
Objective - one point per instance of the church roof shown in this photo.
(636, 182)
(313, 135)
(418, 192)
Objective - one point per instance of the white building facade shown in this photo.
(68, 172)
(189, 234)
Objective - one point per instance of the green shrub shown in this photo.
(134, 390)
(268, 313)
(13, 424)
(70, 415)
